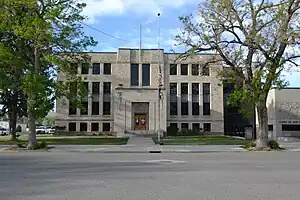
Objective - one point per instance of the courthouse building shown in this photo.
(124, 97)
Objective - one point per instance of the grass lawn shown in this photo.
(203, 140)
(69, 140)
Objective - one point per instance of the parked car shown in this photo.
(40, 130)
(49, 130)
(4, 131)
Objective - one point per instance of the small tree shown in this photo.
(255, 40)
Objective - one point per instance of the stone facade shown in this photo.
(141, 102)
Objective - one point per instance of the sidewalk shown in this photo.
(149, 149)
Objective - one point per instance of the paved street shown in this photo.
(94, 176)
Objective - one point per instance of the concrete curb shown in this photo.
(153, 151)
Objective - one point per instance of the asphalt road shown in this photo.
(94, 176)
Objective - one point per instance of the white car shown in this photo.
(40, 130)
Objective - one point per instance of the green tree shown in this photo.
(13, 51)
(53, 29)
(254, 40)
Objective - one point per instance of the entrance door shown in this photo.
(140, 121)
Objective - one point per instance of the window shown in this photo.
(107, 69)
(184, 69)
(184, 88)
(84, 108)
(106, 108)
(206, 98)
(95, 108)
(86, 88)
(95, 127)
(106, 127)
(72, 126)
(83, 126)
(290, 127)
(173, 108)
(195, 108)
(95, 87)
(96, 68)
(195, 69)
(85, 68)
(206, 127)
(184, 108)
(173, 69)
(173, 88)
(205, 71)
(196, 127)
(72, 108)
(173, 125)
(184, 126)
(145, 74)
(134, 75)
(195, 88)
(106, 87)
(270, 127)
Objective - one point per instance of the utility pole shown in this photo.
(159, 78)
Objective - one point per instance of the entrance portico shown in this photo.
(136, 110)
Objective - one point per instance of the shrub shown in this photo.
(273, 144)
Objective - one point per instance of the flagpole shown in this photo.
(159, 77)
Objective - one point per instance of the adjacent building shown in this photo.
(284, 112)
(144, 91)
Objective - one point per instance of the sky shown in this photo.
(120, 21)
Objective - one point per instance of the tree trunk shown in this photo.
(31, 105)
(262, 134)
(32, 142)
(13, 118)
(13, 125)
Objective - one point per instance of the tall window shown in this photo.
(96, 68)
(146, 75)
(134, 75)
(173, 99)
(195, 69)
(107, 87)
(106, 98)
(86, 88)
(184, 88)
(184, 99)
(173, 69)
(95, 87)
(184, 69)
(85, 68)
(107, 69)
(206, 98)
(73, 98)
(195, 99)
(95, 108)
